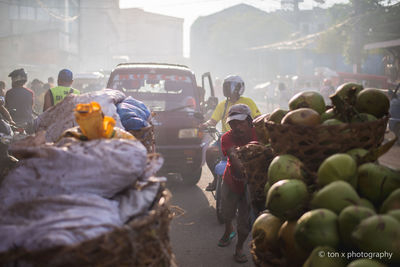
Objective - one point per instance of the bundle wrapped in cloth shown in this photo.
(61, 117)
(71, 191)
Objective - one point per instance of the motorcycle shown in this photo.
(394, 120)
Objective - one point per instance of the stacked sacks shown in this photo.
(133, 113)
(338, 203)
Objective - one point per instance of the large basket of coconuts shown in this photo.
(312, 131)
(328, 201)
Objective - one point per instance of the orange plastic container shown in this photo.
(92, 121)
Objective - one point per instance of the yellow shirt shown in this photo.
(219, 110)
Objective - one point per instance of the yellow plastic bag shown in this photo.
(94, 124)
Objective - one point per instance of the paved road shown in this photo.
(195, 230)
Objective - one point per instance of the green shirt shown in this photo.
(59, 92)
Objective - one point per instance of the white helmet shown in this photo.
(233, 83)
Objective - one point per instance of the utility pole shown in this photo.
(357, 38)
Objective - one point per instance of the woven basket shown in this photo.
(146, 136)
(312, 144)
(255, 160)
(143, 241)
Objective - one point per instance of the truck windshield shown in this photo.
(159, 92)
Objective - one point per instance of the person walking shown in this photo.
(233, 89)
(19, 100)
(233, 189)
(57, 94)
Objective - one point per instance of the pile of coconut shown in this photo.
(348, 213)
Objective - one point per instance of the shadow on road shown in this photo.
(195, 230)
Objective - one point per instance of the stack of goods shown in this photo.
(136, 118)
(328, 201)
(90, 198)
(114, 104)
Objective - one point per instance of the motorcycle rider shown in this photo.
(233, 89)
(19, 100)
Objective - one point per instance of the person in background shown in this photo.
(19, 100)
(3, 111)
(49, 84)
(284, 96)
(57, 94)
(233, 89)
(233, 189)
(37, 87)
(327, 90)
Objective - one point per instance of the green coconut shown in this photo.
(319, 257)
(317, 228)
(302, 116)
(348, 92)
(337, 167)
(363, 117)
(379, 234)
(328, 114)
(373, 101)
(265, 232)
(366, 263)
(363, 202)
(392, 202)
(332, 122)
(287, 199)
(376, 182)
(348, 219)
(308, 99)
(277, 115)
(293, 252)
(357, 153)
(267, 186)
(335, 197)
(285, 167)
(395, 214)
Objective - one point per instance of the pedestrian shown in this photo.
(233, 88)
(327, 90)
(233, 190)
(58, 93)
(49, 84)
(37, 88)
(4, 114)
(19, 100)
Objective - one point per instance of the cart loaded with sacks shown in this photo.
(85, 191)
(318, 186)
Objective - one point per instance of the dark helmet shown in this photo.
(233, 83)
(18, 75)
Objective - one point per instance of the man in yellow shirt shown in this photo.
(233, 89)
(57, 94)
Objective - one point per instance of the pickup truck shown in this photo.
(177, 103)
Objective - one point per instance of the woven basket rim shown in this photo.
(163, 197)
(320, 126)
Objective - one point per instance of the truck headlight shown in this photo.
(188, 133)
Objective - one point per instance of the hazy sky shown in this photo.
(189, 10)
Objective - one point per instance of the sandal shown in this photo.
(240, 258)
(223, 242)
